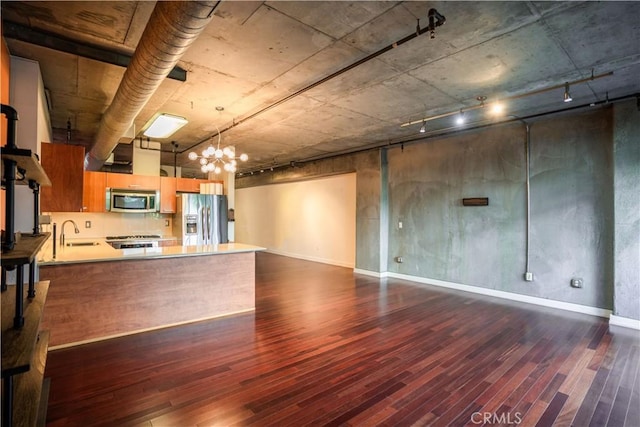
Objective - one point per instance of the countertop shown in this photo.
(105, 252)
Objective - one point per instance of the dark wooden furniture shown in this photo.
(64, 165)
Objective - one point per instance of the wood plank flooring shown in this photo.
(328, 347)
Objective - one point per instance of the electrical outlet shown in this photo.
(576, 283)
(166, 222)
(87, 224)
(400, 224)
(399, 260)
(528, 276)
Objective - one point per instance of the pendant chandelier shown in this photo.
(216, 159)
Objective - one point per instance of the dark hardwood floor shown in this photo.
(328, 347)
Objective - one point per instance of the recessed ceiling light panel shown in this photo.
(164, 125)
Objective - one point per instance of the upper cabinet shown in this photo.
(167, 194)
(188, 185)
(191, 185)
(133, 182)
(94, 194)
(64, 164)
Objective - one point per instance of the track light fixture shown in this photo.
(435, 20)
(461, 119)
(497, 109)
(567, 95)
(423, 128)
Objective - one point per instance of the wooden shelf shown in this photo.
(27, 161)
(18, 344)
(28, 387)
(25, 250)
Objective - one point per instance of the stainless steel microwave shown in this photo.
(132, 201)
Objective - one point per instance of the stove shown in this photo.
(134, 241)
(134, 237)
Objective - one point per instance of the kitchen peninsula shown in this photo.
(98, 292)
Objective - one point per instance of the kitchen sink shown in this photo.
(83, 243)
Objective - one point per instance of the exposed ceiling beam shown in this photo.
(19, 32)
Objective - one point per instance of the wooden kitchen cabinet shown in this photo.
(94, 192)
(188, 185)
(191, 185)
(64, 165)
(133, 182)
(167, 194)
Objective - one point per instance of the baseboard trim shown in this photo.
(625, 322)
(577, 308)
(567, 306)
(371, 273)
(310, 258)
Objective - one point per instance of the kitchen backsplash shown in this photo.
(110, 224)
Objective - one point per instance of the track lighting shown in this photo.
(435, 20)
(498, 108)
(460, 120)
(567, 95)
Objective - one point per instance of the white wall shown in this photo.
(146, 161)
(313, 220)
(33, 127)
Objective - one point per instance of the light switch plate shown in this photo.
(87, 224)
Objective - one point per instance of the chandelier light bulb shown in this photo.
(218, 154)
(244, 157)
(211, 167)
(227, 151)
(203, 168)
(193, 155)
(217, 170)
(203, 161)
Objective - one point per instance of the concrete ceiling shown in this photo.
(254, 55)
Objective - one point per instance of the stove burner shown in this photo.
(134, 237)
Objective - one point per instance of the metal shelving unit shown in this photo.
(24, 346)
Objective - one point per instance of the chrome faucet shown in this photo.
(75, 226)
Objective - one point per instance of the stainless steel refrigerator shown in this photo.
(201, 219)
